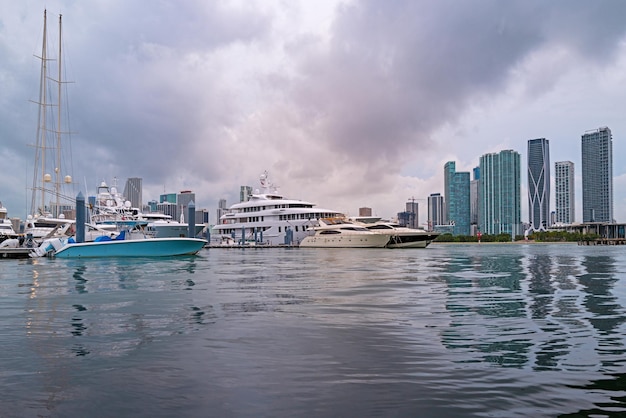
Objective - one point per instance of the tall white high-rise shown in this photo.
(565, 212)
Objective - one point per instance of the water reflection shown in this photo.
(483, 289)
(598, 282)
(615, 387)
(492, 295)
(81, 282)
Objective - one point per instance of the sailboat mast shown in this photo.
(57, 169)
(44, 111)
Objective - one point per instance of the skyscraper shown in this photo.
(413, 208)
(564, 192)
(183, 199)
(597, 175)
(457, 198)
(435, 210)
(539, 184)
(244, 193)
(133, 191)
(221, 209)
(499, 191)
(474, 196)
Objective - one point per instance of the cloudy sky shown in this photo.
(345, 103)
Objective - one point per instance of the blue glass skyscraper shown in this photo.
(499, 191)
(457, 198)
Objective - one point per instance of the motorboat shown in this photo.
(399, 236)
(268, 218)
(124, 244)
(6, 227)
(341, 233)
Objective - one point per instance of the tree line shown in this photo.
(537, 236)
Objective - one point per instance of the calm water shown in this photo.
(452, 330)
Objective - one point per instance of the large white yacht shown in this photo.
(267, 218)
(341, 233)
(400, 236)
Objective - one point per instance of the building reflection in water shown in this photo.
(538, 309)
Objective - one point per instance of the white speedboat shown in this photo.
(399, 236)
(340, 233)
(268, 218)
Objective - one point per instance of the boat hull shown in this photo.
(152, 247)
(421, 240)
(346, 241)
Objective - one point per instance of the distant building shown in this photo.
(457, 198)
(221, 209)
(133, 192)
(565, 212)
(413, 207)
(244, 193)
(435, 211)
(365, 211)
(168, 197)
(539, 183)
(474, 197)
(168, 208)
(182, 202)
(597, 175)
(500, 200)
(407, 219)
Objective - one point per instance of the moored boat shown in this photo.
(6, 227)
(268, 218)
(341, 233)
(399, 236)
(122, 245)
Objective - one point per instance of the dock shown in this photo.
(15, 252)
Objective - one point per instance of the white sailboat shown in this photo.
(51, 199)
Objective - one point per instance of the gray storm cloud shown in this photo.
(190, 91)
